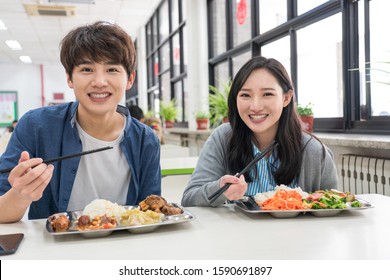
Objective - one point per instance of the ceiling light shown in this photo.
(2, 25)
(13, 45)
(25, 59)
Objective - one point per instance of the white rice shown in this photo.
(260, 197)
(100, 207)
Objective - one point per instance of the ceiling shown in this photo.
(40, 35)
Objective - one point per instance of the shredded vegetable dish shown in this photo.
(284, 198)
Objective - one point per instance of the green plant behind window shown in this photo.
(218, 103)
(305, 110)
(168, 110)
(201, 115)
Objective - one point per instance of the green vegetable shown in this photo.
(356, 203)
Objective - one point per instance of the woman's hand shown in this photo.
(237, 188)
(30, 177)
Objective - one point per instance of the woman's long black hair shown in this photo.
(289, 132)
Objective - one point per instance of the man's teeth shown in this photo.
(99, 95)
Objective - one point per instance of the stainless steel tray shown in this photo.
(250, 206)
(73, 216)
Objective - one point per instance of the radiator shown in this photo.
(364, 174)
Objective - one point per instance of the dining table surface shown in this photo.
(224, 233)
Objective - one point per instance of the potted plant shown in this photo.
(202, 120)
(307, 116)
(218, 103)
(168, 112)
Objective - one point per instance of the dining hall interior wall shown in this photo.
(26, 80)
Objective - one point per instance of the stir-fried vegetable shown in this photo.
(327, 200)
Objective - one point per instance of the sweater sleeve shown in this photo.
(210, 168)
(318, 170)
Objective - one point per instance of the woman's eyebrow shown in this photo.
(263, 89)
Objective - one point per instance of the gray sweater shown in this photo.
(316, 172)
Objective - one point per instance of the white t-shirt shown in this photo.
(100, 175)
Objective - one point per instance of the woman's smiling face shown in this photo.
(260, 103)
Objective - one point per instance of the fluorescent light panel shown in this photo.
(25, 59)
(2, 25)
(13, 45)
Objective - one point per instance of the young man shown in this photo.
(99, 60)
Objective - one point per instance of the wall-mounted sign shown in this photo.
(241, 12)
(8, 107)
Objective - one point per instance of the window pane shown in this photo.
(164, 57)
(185, 96)
(179, 99)
(240, 60)
(272, 13)
(221, 75)
(150, 72)
(149, 39)
(155, 32)
(165, 87)
(320, 67)
(380, 58)
(176, 55)
(155, 69)
(164, 21)
(280, 50)
(184, 58)
(306, 5)
(183, 10)
(174, 14)
(241, 21)
(219, 26)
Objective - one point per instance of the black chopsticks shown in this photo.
(258, 157)
(65, 157)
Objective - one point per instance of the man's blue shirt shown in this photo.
(50, 132)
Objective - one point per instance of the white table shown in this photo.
(225, 233)
(178, 165)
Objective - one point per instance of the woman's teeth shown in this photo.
(257, 117)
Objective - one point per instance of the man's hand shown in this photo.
(30, 177)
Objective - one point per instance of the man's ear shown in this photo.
(131, 80)
(287, 98)
(69, 81)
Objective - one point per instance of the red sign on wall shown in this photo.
(58, 96)
(241, 12)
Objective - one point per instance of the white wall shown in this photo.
(26, 80)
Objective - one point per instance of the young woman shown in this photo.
(261, 110)
(99, 60)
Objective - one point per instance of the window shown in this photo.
(376, 79)
(319, 67)
(272, 13)
(333, 49)
(218, 26)
(166, 65)
(241, 21)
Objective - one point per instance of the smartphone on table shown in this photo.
(9, 243)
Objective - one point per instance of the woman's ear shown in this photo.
(130, 81)
(287, 98)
